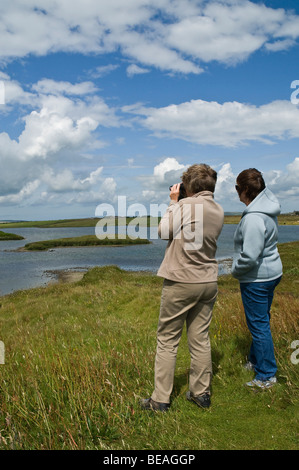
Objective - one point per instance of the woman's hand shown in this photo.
(175, 192)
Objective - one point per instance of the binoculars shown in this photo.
(182, 193)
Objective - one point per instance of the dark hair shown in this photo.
(199, 177)
(252, 182)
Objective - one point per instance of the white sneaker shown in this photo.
(262, 383)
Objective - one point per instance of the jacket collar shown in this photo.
(204, 194)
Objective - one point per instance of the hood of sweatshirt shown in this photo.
(265, 203)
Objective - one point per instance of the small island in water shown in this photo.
(86, 240)
(10, 236)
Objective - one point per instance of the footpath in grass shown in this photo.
(78, 358)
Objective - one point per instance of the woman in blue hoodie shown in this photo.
(258, 268)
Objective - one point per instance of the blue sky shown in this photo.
(102, 99)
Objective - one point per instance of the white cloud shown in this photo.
(57, 121)
(162, 170)
(280, 45)
(169, 34)
(169, 171)
(134, 69)
(90, 189)
(46, 134)
(285, 183)
(52, 87)
(224, 32)
(65, 181)
(103, 70)
(14, 94)
(21, 196)
(36, 165)
(104, 192)
(63, 188)
(229, 124)
(152, 52)
(225, 186)
(166, 173)
(289, 27)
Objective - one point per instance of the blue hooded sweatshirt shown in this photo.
(256, 258)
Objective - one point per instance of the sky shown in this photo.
(108, 98)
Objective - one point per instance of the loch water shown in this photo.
(23, 270)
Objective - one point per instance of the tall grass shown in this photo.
(80, 356)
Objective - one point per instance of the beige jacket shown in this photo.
(192, 227)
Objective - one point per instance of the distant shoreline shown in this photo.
(283, 219)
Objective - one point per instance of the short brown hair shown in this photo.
(251, 181)
(199, 177)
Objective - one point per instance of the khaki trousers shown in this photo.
(192, 303)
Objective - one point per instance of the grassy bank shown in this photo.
(80, 356)
(10, 236)
(86, 240)
(87, 222)
(283, 219)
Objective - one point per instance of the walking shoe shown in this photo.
(203, 401)
(150, 404)
(262, 383)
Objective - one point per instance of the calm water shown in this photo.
(21, 270)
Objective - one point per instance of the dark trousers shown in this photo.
(257, 299)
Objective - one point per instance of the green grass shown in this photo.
(80, 356)
(10, 236)
(283, 219)
(86, 240)
(88, 222)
